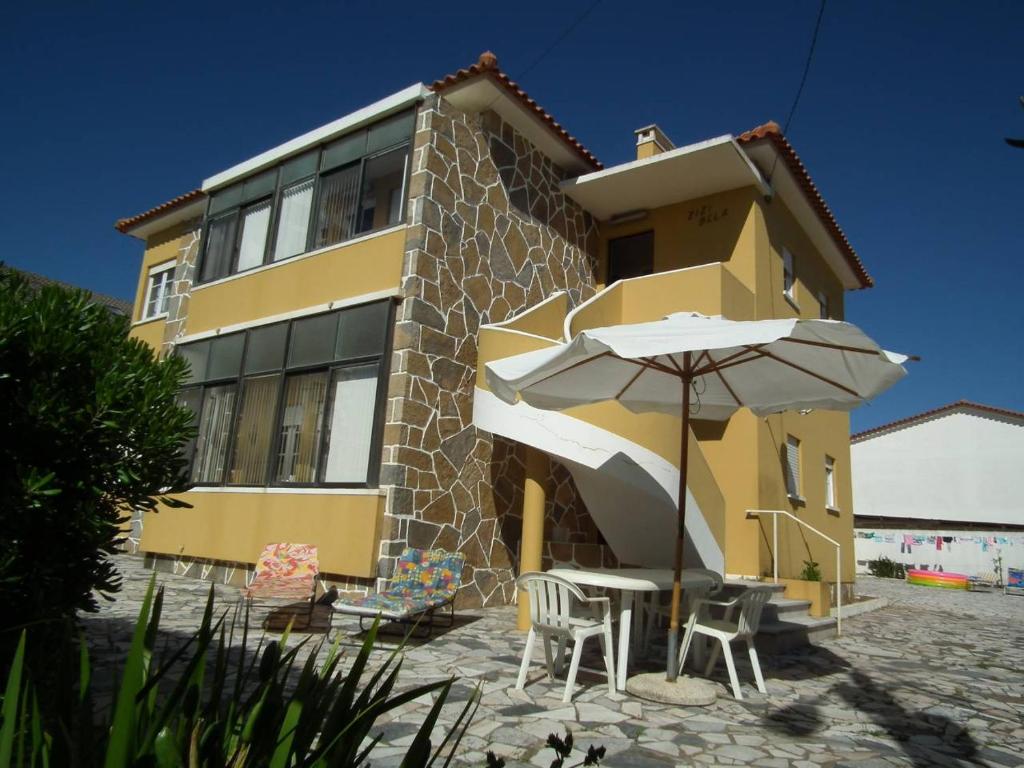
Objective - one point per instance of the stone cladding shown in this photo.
(490, 235)
(181, 287)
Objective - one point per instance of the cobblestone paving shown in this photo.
(931, 680)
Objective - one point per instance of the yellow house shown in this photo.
(338, 295)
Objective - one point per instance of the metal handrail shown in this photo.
(775, 554)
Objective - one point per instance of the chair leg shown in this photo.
(548, 658)
(687, 642)
(560, 658)
(731, 664)
(527, 655)
(574, 666)
(608, 650)
(712, 660)
(756, 665)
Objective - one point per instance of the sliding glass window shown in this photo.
(350, 186)
(294, 403)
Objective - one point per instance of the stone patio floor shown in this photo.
(933, 679)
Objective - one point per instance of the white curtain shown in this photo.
(351, 424)
(291, 229)
(255, 221)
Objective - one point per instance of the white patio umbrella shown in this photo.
(705, 367)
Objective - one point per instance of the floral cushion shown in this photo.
(424, 579)
(285, 571)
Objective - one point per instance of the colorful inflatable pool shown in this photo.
(937, 579)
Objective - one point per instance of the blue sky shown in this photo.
(110, 108)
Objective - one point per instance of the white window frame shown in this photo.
(789, 271)
(823, 308)
(792, 469)
(831, 502)
(155, 271)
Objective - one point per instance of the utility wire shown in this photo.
(564, 34)
(807, 68)
(803, 81)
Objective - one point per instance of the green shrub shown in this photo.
(90, 431)
(886, 568)
(811, 571)
(209, 705)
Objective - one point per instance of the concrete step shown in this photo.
(783, 608)
(794, 631)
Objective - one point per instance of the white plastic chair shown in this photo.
(656, 609)
(750, 604)
(552, 600)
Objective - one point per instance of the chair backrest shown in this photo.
(751, 604)
(717, 581)
(551, 598)
(429, 572)
(287, 561)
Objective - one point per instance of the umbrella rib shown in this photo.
(650, 362)
(629, 383)
(825, 344)
(800, 368)
(725, 384)
(732, 361)
(569, 368)
(729, 358)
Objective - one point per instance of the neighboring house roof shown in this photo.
(123, 225)
(487, 66)
(36, 281)
(771, 131)
(959, 405)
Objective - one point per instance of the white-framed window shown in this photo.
(792, 467)
(788, 274)
(823, 310)
(830, 483)
(158, 290)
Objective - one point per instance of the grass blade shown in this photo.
(9, 712)
(122, 729)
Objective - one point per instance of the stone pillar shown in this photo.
(531, 544)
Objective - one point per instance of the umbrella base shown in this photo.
(684, 692)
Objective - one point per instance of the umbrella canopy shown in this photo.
(692, 365)
(765, 365)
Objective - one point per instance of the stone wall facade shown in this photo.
(181, 287)
(491, 234)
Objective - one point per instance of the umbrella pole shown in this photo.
(672, 669)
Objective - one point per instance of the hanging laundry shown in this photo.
(938, 543)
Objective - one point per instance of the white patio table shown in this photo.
(628, 581)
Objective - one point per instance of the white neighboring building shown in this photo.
(943, 490)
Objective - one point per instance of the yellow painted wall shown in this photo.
(544, 319)
(349, 270)
(702, 231)
(812, 272)
(235, 527)
(152, 332)
(161, 247)
(657, 432)
(747, 235)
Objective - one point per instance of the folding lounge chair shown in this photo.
(285, 572)
(1014, 581)
(425, 582)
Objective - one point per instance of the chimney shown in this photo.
(650, 141)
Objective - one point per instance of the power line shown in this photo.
(807, 68)
(803, 81)
(564, 34)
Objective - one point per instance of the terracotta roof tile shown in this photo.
(770, 131)
(37, 281)
(958, 405)
(487, 66)
(123, 225)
